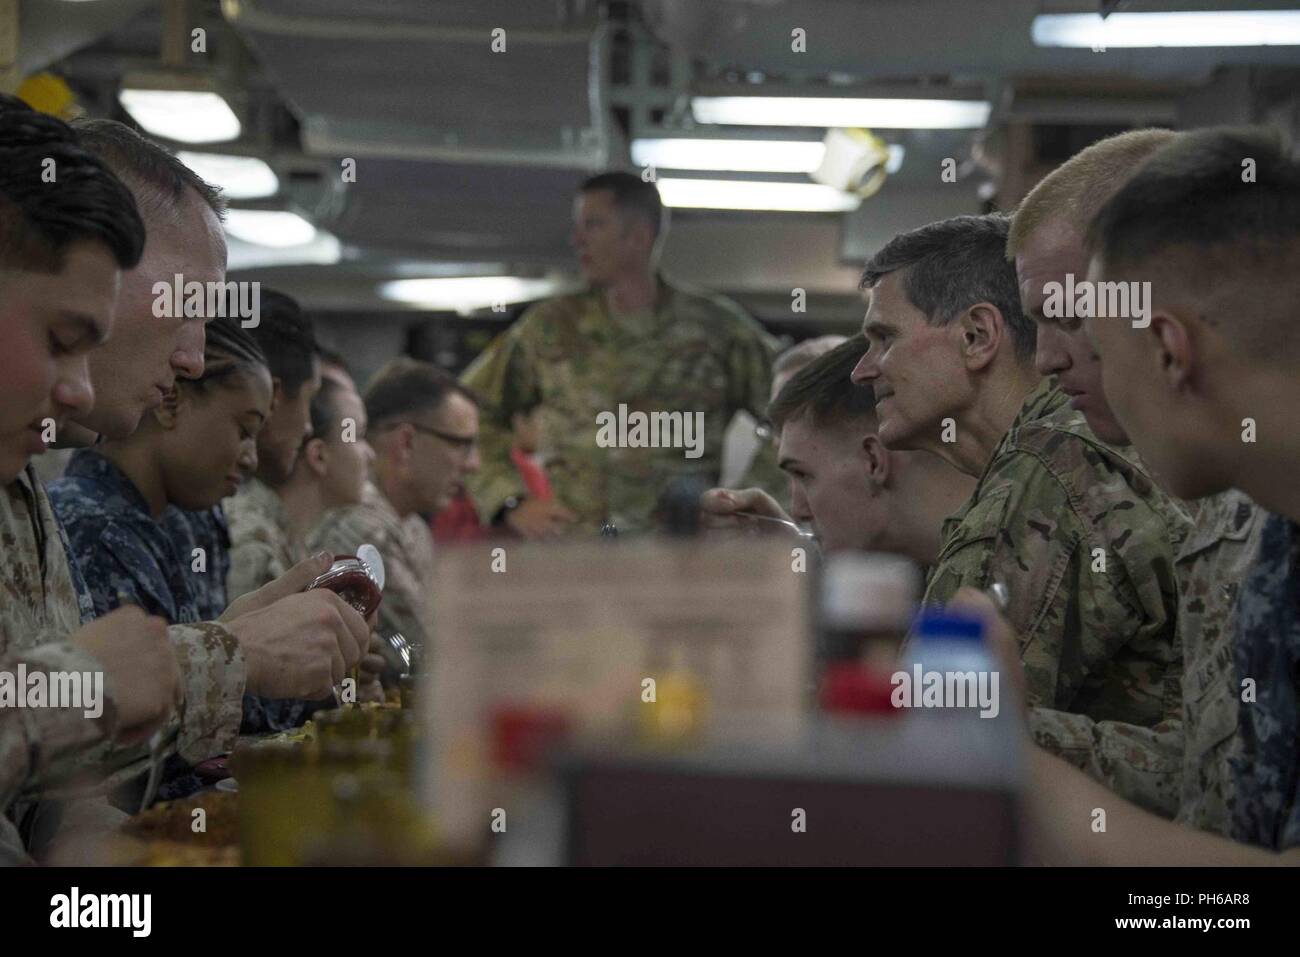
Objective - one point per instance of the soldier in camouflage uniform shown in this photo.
(284, 646)
(1179, 765)
(50, 276)
(1075, 529)
(632, 339)
(423, 427)
(262, 547)
(1222, 253)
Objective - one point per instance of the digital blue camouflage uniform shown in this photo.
(1265, 758)
(204, 530)
(121, 550)
(209, 531)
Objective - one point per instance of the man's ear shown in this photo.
(982, 329)
(314, 454)
(277, 394)
(167, 414)
(1168, 342)
(876, 457)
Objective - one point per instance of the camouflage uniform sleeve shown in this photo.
(1025, 535)
(253, 563)
(32, 740)
(1142, 765)
(400, 609)
(212, 674)
(750, 365)
(1002, 537)
(505, 380)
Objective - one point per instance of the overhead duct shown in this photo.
(437, 80)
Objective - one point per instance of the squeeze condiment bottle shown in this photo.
(357, 579)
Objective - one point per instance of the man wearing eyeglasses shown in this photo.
(424, 430)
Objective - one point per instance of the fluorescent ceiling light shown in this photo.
(269, 227)
(324, 250)
(1222, 28)
(187, 116)
(240, 177)
(466, 293)
(743, 194)
(873, 113)
(750, 156)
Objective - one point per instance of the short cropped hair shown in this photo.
(1217, 212)
(949, 266)
(325, 409)
(1075, 190)
(631, 194)
(40, 218)
(404, 386)
(802, 353)
(287, 336)
(825, 390)
(158, 179)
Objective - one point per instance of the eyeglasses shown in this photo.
(461, 443)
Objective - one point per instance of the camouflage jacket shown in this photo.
(203, 533)
(118, 546)
(1178, 768)
(406, 546)
(1265, 758)
(261, 546)
(41, 604)
(34, 740)
(696, 353)
(121, 550)
(1085, 542)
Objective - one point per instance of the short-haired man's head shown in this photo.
(286, 334)
(824, 391)
(54, 193)
(1073, 192)
(404, 388)
(157, 178)
(326, 410)
(949, 266)
(1214, 217)
(632, 196)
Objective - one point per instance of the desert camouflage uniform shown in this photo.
(261, 546)
(1179, 767)
(33, 740)
(695, 352)
(1099, 643)
(39, 603)
(1265, 757)
(406, 546)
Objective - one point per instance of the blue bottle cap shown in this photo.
(949, 626)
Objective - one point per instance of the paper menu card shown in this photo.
(577, 629)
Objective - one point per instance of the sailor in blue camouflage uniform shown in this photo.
(210, 534)
(1266, 755)
(125, 505)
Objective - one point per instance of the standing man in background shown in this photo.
(630, 339)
